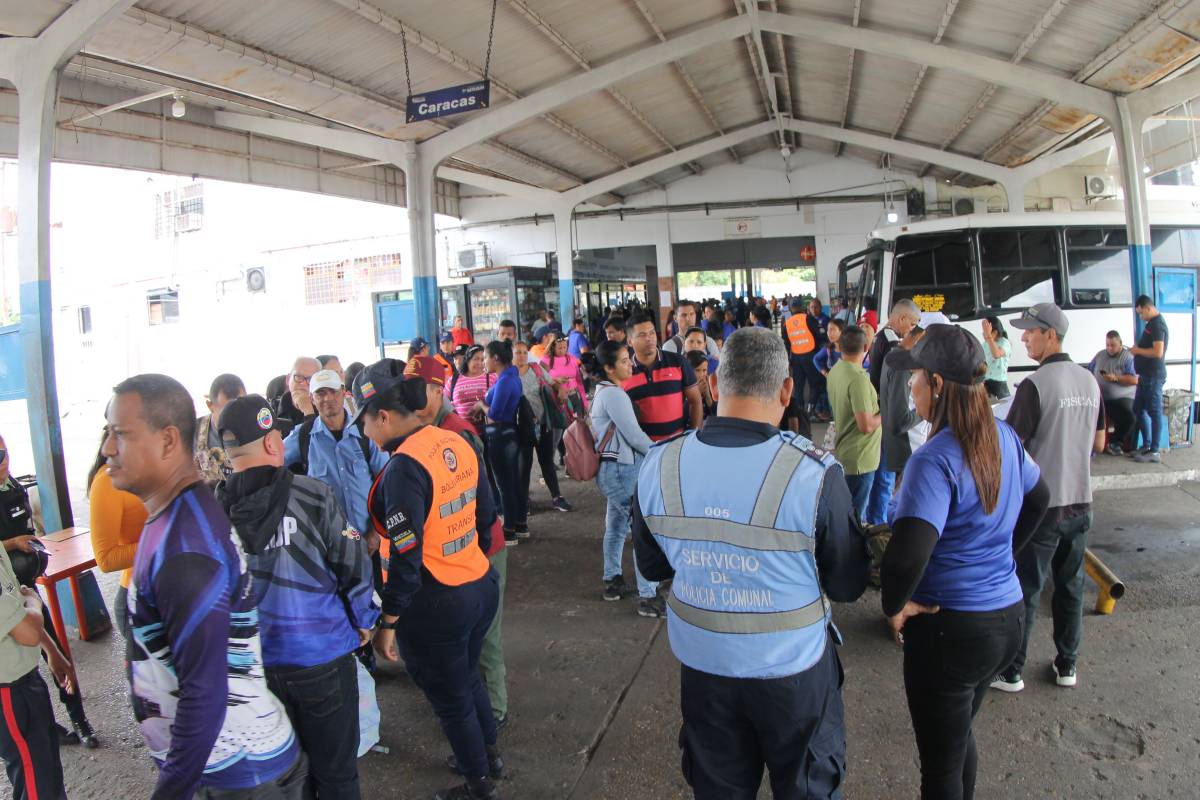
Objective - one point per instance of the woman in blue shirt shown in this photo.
(971, 498)
(505, 446)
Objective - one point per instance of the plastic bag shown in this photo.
(368, 711)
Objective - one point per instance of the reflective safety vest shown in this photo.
(746, 601)
(449, 550)
(799, 336)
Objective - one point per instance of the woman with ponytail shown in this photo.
(970, 499)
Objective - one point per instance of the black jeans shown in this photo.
(544, 449)
(794, 726)
(505, 451)
(950, 658)
(805, 373)
(322, 703)
(28, 738)
(440, 636)
(1056, 550)
(1119, 411)
(997, 389)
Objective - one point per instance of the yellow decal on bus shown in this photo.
(930, 302)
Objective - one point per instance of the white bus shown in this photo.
(972, 267)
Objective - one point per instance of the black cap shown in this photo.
(376, 380)
(247, 419)
(948, 350)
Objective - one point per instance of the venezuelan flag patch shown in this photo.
(403, 542)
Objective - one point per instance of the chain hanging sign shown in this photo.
(465, 97)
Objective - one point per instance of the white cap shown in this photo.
(325, 379)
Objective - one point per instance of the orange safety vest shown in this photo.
(446, 365)
(799, 335)
(450, 546)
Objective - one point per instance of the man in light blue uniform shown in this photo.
(330, 450)
(755, 526)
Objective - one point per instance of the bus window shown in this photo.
(1019, 267)
(934, 271)
(1098, 267)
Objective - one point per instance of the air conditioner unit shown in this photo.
(256, 279)
(1097, 186)
(969, 205)
(188, 222)
(473, 257)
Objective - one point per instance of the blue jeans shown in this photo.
(860, 492)
(617, 482)
(1147, 410)
(881, 494)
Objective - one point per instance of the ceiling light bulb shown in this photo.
(785, 151)
(1145, 169)
(892, 216)
(178, 109)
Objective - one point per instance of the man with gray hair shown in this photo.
(296, 404)
(753, 525)
(904, 316)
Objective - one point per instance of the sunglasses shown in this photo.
(1029, 315)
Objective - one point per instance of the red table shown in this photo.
(70, 552)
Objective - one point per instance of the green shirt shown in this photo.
(997, 368)
(16, 660)
(850, 392)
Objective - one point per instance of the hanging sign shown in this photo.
(808, 254)
(743, 227)
(451, 100)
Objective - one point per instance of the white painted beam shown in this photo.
(654, 166)
(133, 101)
(500, 185)
(986, 68)
(899, 147)
(375, 148)
(1165, 94)
(508, 116)
(1061, 158)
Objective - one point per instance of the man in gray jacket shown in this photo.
(1057, 413)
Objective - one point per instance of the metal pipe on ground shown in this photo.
(1111, 587)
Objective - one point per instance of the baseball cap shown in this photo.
(1040, 316)
(426, 368)
(248, 419)
(417, 343)
(325, 379)
(446, 337)
(378, 380)
(948, 350)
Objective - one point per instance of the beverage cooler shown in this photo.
(516, 293)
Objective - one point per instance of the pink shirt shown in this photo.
(467, 391)
(566, 367)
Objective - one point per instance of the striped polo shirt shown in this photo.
(657, 394)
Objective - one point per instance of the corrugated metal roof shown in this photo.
(342, 61)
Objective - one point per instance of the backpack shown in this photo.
(301, 466)
(583, 454)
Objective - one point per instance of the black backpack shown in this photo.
(301, 466)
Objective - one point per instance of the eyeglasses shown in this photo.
(3, 455)
(298, 378)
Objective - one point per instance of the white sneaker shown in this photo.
(1065, 677)
(1008, 681)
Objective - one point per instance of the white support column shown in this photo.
(33, 65)
(418, 187)
(1014, 191)
(36, 91)
(1127, 128)
(666, 275)
(566, 263)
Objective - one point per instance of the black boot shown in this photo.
(495, 762)
(473, 789)
(82, 730)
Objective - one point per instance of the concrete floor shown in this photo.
(594, 688)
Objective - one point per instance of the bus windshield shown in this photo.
(934, 271)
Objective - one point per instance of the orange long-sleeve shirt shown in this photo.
(117, 519)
